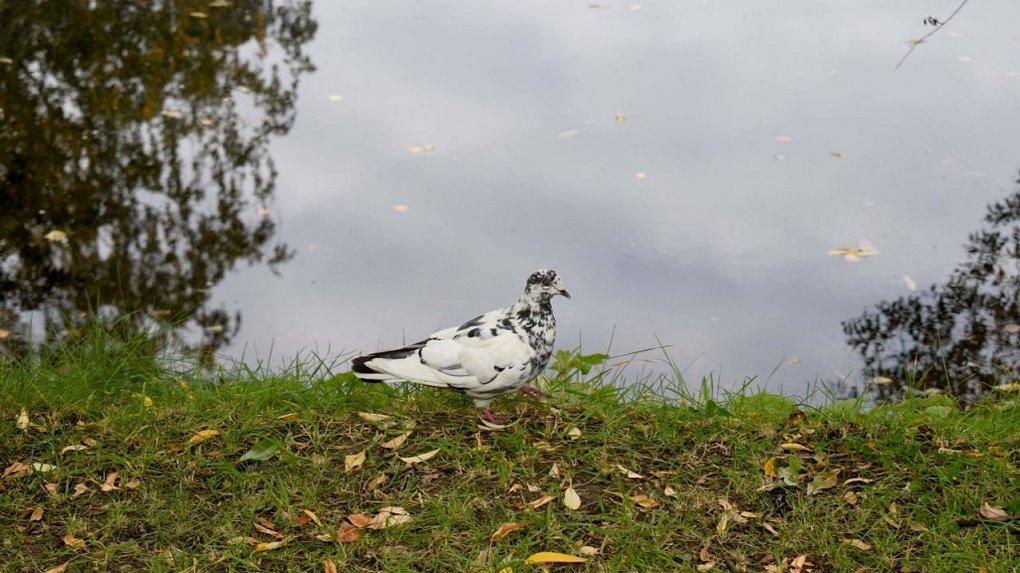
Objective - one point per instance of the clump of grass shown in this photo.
(910, 484)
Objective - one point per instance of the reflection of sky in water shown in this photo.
(720, 250)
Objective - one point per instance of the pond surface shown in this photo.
(686, 166)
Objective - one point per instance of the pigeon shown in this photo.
(490, 355)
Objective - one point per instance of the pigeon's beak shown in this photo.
(564, 293)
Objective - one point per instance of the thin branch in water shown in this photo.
(915, 43)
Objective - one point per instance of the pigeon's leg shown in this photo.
(532, 391)
(488, 416)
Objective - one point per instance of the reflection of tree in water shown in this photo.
(962, 336)
(140, 130)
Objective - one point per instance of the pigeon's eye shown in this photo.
(546, 282)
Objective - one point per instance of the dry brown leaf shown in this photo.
(570, 499)
(50, 487)
(544, 446)
(353, 461)
(505, 530)
(79, 490)
(644, 501)
(268, 546)
(359, 520)
(306, 515)
(89, 442)
(74, 448)
(133, 483)
(553, 557)
(37, 514)
(669, 491)
(328, 566)
(554, 471)
(628, 473)
(420, 457)
(202, 435)
(109, 484)
(376, 481)
(850, 497)
(369, 417)
(59, 568)
(823, 480)
(993, 512)
(263, 525)
(16, 469)
(768, 527)
(856, 480)
(794, 447)
(540, 501)
(72, 541)
(858, 544)
(347, 533)
(242, 540)
(388, 517)
(574, 433)
(588, 551)
(892, 522)
(23, 422)
(396, 442)
(917, 527)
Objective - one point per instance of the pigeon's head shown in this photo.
(544, 284)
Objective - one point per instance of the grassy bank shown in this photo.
(112, 464)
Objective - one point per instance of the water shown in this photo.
(685, 166)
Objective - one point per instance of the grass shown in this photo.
(919, 473)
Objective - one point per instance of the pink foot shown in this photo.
(532, 391)
(488, 416)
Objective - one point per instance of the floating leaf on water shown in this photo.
(570, 499)
(837, 154)
(220, 4)
(55, 236)
(641, 175)
(881, 380)
(568, 133)
(552, 557)
(353, 461)
(171, 114)
(421, 148)
(911, 285)
(784, 138)
(793, 360)
(620, 117)
(336, 97)
(400, 208)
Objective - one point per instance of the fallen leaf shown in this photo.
(353, 461)
(396, 442)
(552, 557)
(554, 471)
(359, 520)
(768, 527)
(505, 529)
(858, 544)
(794, 446)
(242, 540)
(199, 15)
(850, 498)
(823, 480)
(540, 502)
(880, 380)
(588, 551)
(347, 533)
(50, 487)
(917, 527)
(328, 566)
(203, 435)
(306, 515)
(72, 541)
(268, 546)
(1011, 328)
(856, 480)
(16, 469)
(79, 490)
(37, 514)
(74, 448)
(58, 569)
(55, 236)
(268, 527)
(420, 457)
(570, 499)
(574, 433)
(109, 484)
(262, 451)
(376, 481)
(644, 501)
(630, 474)
(995, 513)
(388, 517)
(769, 467)
(23, 422)
(669, 491)
(4, 333)
(368, 417)
(852, 254)
(336, 97)
(291, 417)
(891, 521)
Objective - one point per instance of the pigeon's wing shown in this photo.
(485, 354)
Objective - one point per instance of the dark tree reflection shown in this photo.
(961, 336)
(134, 163)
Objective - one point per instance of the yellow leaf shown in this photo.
(856, 480)
(133, 483)
(421, 148)
(268, 546)
(200, 16)
(892, 522)
(58, 568)
(203, 435)
(369, 417)
(794, 446)
(420, 457)
(353, 461)
(23, 421)
(311, 515)
(669, 491)
(552, 557)
(55, 236)
(570, 499)
(42, 468)
(858, 544)
(72, 541)
(644, 501)
(769, 467)
(917, 527)
(505, 530)
(881, 380)
(396, 442)
(291, 417)
(620, 117)
(37, 514)
(995, 513)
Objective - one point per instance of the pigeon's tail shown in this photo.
(402, 364)
(361, 368)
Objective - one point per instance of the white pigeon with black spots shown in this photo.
(490, 355)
